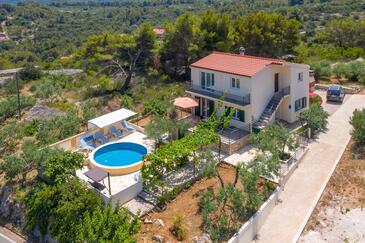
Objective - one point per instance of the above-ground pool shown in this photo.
(118, 158)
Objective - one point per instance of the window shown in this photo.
(235, 83)
(300, 76)
(209, 79)
(202, 79)
(239, 115)
(206, 80)
(300, 103)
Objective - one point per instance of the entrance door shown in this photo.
(276, 82)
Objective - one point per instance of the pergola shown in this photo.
(110, 118)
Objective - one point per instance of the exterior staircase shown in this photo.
(270, 110)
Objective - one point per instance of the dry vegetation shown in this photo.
(346, 188)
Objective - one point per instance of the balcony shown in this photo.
(226, 96)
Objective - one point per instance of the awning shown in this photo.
(96, 174)
(110, 118)
(185, 102)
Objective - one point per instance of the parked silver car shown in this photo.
(335, 93)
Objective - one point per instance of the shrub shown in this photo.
(358, 124)
(178, 227)
(30, 72)
(317, 99)
(9, 107)
(48, 89)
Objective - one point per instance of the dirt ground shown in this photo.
(185, 204)
(344, 194)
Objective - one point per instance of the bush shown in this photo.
(10, 86)
(178, 227)
(9, 107)
(358, 127)
(317, 99)
(48, 89)
(30, 72)
(58, 127)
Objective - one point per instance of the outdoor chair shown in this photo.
(115, 132)
(127, 127)
(101, 138)
(87, 142)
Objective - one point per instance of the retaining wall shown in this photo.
(346, 90)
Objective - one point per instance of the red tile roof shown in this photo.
(159, 31)
(242, 65)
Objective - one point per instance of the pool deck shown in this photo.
(121, 184)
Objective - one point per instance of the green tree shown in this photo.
(21, 164)
(59, 209)
(181, 46)
(321, 69)
(314, 118)
(121, 226)
(345, 32)
(89, 110)
(264, 34)
(276, 139)
(217, 32)
(30, 72)
(157, 128)
(59, 165)
(358, 127)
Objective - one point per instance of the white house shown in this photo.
(261, 89)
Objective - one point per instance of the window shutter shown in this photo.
(297, 105)
(241, 115)
(202, 79)
(208, 83)
(304, 101)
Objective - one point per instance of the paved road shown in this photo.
(7, 236)
(303, 190)
(331, 107)
(5, 239)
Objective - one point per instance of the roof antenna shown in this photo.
(242, 51)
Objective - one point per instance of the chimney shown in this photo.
(242, 51)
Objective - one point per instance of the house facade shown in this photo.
(261, 90)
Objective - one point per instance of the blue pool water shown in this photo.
(120, 154)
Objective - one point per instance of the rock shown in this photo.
(38, 112)
(205, 238)
(158, 238)
(147, 221)
(160, 222)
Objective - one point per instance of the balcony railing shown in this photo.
(226, 96)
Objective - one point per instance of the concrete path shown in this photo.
(303, 190)
(7, 236)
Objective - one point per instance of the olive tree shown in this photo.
(315, 118)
